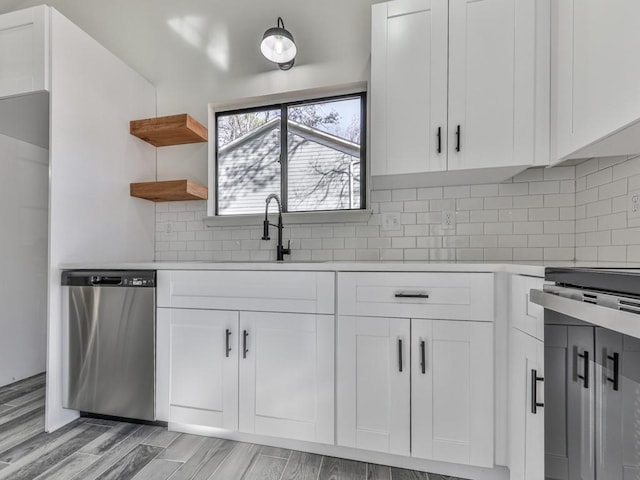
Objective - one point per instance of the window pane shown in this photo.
(324, 155)
(248, 161)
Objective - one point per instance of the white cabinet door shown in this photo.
(373, 397)
(482, 83)
(526, 423)
(409, 87)
(24, 51)
(203, 367)
(617, 387)
(452, 391)
(287, 375)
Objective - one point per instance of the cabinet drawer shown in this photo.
(456, 296)
(265, 291)
(524, 314)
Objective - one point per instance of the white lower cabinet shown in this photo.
(287, 375)
(203, 367)
(262, 373)
(374, 384)
(416, 387)
(526, 409)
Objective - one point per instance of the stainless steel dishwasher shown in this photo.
(109, 342)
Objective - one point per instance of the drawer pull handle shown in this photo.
(245, 334)
(411, 295)
(534, 391)
(400, 355)
(228, 346)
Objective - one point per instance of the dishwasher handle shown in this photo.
(97, 280)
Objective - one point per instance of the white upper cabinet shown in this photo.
(595, 87)
(409, 86)
(459, 85)
(24, 51)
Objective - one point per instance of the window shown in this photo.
(309, 153)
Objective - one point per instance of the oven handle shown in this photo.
(616, 320)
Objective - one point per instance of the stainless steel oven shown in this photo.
(592, 373)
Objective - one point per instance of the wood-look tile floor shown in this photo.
(89, 449)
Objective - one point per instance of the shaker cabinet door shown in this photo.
(24, 51)
(526, 421)
(374, 384)
(409, 87)
(452, 391)
(287, 375)
(482, 83)
(617, 387)
(203, 367)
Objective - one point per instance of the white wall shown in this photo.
(93, 158)
(24, 179)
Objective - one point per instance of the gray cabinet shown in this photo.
(592, 431)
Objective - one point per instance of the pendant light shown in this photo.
(278, 46)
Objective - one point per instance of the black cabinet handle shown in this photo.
(411, 295)
(585, 377)
(228, 345)
(245, 334)
(400, 354)
(534, 391)
(439, 135)
(423, 356)
(458, 138)
(616, 371)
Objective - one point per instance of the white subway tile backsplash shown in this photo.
(626, 169)
(586, 168)
(513, 189)
(490, 190)
(495, 203)
(528, 227)
(542, 214)
(613, 189)
(544, 187)
(403, 194)
(560, 173)
(513, 215)
(613, 222)
(431, 193)
(381, 196)
(612, 254)
(457, 192)
(560, 200)
(599, 178)
(596, 209)
(544, 241)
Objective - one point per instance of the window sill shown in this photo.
(344, 216)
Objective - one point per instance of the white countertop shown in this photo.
(520, 268)
(524, 268)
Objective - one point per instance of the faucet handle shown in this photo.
(287, 251)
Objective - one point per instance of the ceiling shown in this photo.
(216, 42)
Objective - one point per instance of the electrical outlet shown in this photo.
(391, 221)
(168, 228)
(634, 204)
(448, 220)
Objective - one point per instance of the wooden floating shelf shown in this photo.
(171, 130)
(169, 191)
